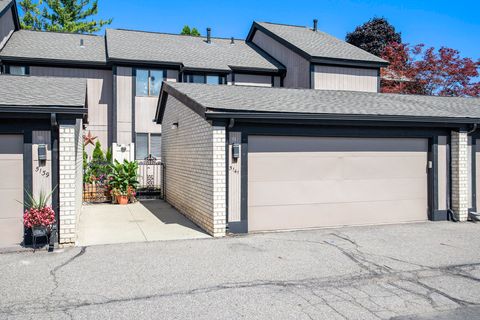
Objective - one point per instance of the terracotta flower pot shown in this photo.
(122, 200)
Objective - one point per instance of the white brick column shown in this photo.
(219, 181)
(460, 178)
(67, 184)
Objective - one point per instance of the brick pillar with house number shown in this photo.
(460, 174)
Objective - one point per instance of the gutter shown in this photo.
(43, 110)
(342, 117)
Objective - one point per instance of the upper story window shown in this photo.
(16, 70)
(148, 144)
(149, 82)
(206, 78)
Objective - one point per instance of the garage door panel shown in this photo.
(11, 206)
(11, 189)
(294, 167)
(11, 172)
(335, 214)
(268, 144)
(381, 167)
(11, 231)
(330, 191)
(323, 179)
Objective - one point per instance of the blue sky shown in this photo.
(436, 23)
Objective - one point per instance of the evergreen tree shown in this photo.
(190, 32)
(97, 155)
(61, 15)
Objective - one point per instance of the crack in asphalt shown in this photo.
(53, 272)
(371, 271)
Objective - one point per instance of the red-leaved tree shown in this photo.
(416, 70)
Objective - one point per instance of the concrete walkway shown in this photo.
(151, 220)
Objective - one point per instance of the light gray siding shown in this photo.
(298, 68)
(145, 108)
(345, 78)
(442, 173)
(253, 80)
(7, 26)
(194, 157)
(99, 95)
(124, 105)
(234, 179)
(41, 170)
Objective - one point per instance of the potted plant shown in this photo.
(39, 215)
(123, 181)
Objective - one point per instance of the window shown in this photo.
(206, 78)
(148, 144)
(148, 82)
(141, 146)
(17, 70)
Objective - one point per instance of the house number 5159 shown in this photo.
(42, 172)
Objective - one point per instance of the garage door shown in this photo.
(11, 190)
(309, 182)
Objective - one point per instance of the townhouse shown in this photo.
(292, 129)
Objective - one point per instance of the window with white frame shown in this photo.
(148, 82)
(148, 144)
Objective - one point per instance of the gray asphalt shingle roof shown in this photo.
(215, 98)
(25, 44)
(319, 44)
(4, 4)
(42, 91)
(191, 52)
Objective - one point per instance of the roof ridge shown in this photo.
(61, 32)
(285, 24)
(173, 34)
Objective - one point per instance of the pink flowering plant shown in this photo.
(39, 213)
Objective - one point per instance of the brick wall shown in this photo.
(194, 157)
(460, 174)
(70, 186)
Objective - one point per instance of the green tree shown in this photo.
(190, 32)
(374, 35)
(31, 19)
(97, 155)
(61, 15)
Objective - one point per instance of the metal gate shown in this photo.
(151, 173)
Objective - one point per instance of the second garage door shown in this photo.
(309, 182)
(11, 190)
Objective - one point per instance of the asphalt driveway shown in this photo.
(382, 272)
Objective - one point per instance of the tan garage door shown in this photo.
(11, 190)
(308, 182)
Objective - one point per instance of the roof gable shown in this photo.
(316, 46)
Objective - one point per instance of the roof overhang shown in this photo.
(312, 59)
(16, 20)
(246, 116)
(54, 62)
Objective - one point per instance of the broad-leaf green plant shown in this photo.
(122, 176)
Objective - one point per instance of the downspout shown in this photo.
(231, 124)
(474, 216)
(55, 181)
